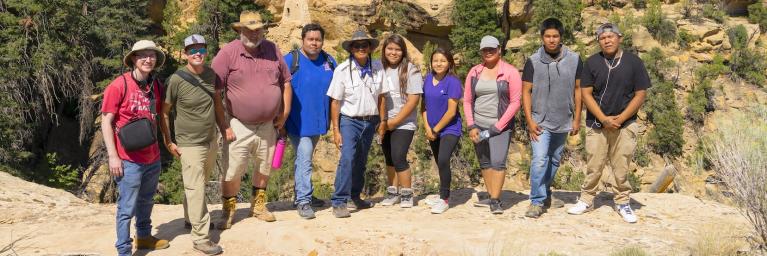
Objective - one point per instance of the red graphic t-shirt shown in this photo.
(135, 104)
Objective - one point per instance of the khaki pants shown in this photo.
(252, 141)
(613, 146)
(197, 162)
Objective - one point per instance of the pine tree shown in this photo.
(473, 19)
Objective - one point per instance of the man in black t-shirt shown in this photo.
(614, 84)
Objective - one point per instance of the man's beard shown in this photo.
(250, 44)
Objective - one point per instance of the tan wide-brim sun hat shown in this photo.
(145, 45)
(251, 20)
(360, 35)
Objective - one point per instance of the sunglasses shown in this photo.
(360, 46)
(196, 51)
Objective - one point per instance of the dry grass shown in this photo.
(738, 153)
(716, 239)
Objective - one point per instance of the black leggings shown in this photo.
(395, 145)
(442, 149)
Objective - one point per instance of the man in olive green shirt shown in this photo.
(190, 92)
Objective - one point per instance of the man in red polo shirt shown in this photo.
(256, 82)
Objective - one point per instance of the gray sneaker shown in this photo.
(305, 211)
(495, 206)
(482, 203)
(208, 248)
(341, 211)
(392, 197)
(406, 198)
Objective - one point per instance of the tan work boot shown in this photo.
(227, 213)
(258, 207)
(151, 243)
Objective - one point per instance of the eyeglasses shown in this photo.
(196, 51)
(145, 56)
(360, 46)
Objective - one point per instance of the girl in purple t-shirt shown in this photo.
(442, 122)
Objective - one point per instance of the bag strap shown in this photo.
(188, 77)
(327, 59)
(294, 62)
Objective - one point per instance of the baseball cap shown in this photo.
(489, 42)
(608, 27)
(194, 39)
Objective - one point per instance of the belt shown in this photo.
(363, 118)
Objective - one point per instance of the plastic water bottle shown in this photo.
(483, 135)
(279, 149)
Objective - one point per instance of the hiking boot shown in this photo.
(209, 248)
(151, 243)
(305, 211)
(627, 213)
(360, 204)
(341, 211)
(392, 197)
(258, 207)
(495, 206)
(440, 206)
(188, 225)
(406, 198)
(227, 213)
(534, 211)
(579, 208)
(482, 203)
(553, 202)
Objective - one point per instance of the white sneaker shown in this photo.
(579, 208)
(627, 213)
(392, 196)
(440, 206)
(432, 201)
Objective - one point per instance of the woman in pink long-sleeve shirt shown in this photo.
(490, 100)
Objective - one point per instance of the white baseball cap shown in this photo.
(194, 39)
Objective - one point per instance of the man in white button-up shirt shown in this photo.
(356, 112)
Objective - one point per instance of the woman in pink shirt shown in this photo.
(490, 100)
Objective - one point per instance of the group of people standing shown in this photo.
(253, 94)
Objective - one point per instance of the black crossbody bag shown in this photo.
(139, 132)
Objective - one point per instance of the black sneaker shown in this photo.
(360, 204)
(495, 206)
(305, 211)
(341, 211)
(553, 202)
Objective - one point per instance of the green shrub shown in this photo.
(747, 63)
(62, 176)
(641, 156)
(626, 23)
(685, 39)
(635, 182)
(567, 11)
(472, 20)
(630, 251)
(171, 184)
(757, 13)
(656, 23)
(697, 101)
(568, 178)
(666, 136)
(713, 12)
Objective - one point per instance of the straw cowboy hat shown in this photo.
(251, 20)
(144, 45)
(360, 35)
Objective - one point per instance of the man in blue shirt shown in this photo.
(309, 110)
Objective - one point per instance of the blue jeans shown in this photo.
(350, 174)
(547, 152)
(304, 147)
(136, 188)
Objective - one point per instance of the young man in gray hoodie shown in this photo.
(551, 99)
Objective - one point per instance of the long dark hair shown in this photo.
(403, 64)
(448, 56)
